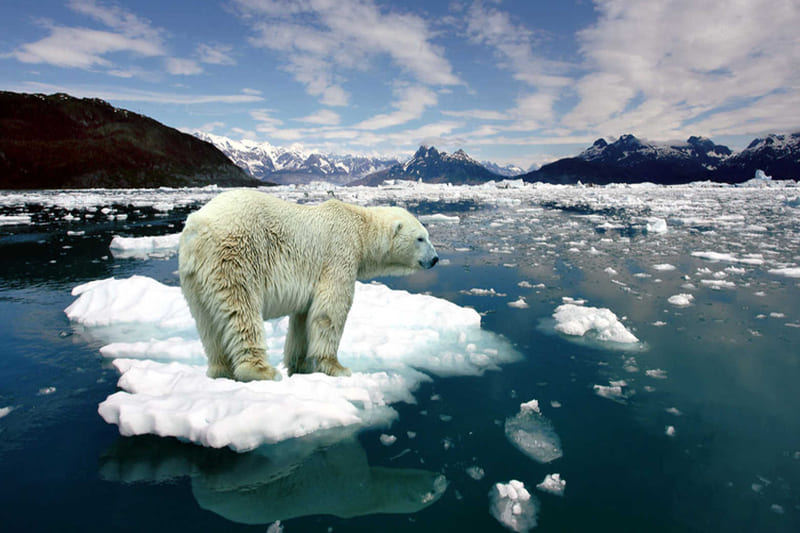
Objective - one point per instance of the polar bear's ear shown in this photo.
(397, 225)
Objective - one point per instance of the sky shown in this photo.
(521, 82)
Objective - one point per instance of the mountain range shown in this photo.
(630, 160)
(294, 164)
(58, 141)
(626, 160)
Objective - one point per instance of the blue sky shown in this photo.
(513, 82)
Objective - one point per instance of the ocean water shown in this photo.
(693, 427)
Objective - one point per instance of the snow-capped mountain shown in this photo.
(432, 166)
(777, 155)
(630, 160)
(628, 151)
(508, 171)
(294, 164)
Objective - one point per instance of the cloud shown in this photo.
(411, 102)
(324, 117)
(182, 67)
(82, 48)
(478, 114)
(215, 54)
(86, 48)
(320, 40)
(668, 68)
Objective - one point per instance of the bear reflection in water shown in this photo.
(278, 482)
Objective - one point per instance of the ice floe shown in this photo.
(598, 323)
(533, 433)
(513, 506)
(393, 341)
(553, 484)
(681, 300)
(144, 247)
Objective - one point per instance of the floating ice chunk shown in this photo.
(615, 391)
(718, 284)
(669, 431)
(387, 440)
(438, 217)
(144, 247)
(789, 272)
(656, 225)
(519, 303)
(681, 300)
(600, 323)
(657, 373)
(46, 390)
(389, 336)
(748, 259)
(553, 484)
(13, 220)
(610, 271)
(475, 291)
(275, 527)
(533, 434)
(4, 411)
(664, 267)
(475, 472)
(513, 506)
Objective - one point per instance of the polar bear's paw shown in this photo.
(255, 371)
(333, 368)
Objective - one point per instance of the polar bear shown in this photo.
(247, 256)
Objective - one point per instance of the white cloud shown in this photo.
(182, 67)
(515, 46)
(215, 54)
(669, 68)
(324, 117)
(321, 39)
(411, 102)
(82, 48)
(478, 114)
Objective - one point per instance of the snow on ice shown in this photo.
(513, 506)
(390, 339)
(600, 324)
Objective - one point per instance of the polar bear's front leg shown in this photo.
(324, 328)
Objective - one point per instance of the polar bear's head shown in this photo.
(407, 245)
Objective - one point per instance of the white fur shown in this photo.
(246, 257)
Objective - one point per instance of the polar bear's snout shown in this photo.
(430, 258)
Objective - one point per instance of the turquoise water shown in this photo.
(723, 375)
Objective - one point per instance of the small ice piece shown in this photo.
(475, 472)
(718, 284)
(659, 323)
(663, 267)
(553, 484)
(656, 225)
(681, 300)
(47, 390)
(387, 440)
(12, 220)
(613, 391)
(674, 411)
(533, 434)
(669, 431)
(438, 217)
(610, 271)
(513, 506)
(520, 303)
(275, 527)
(5, 410)
(144, 247)
(789, 272)
(657, 373)
(777, 509)
(602, 324)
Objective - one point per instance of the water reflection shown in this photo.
(279, 482)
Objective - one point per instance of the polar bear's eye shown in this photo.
(420, 239)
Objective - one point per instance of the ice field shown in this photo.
(640, 342)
